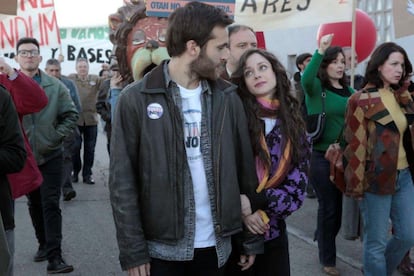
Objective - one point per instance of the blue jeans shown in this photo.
(113, 100)
(89, 134)
(44, 208)
(382, 255)
(329, 208)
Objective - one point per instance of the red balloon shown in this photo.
(365, 38)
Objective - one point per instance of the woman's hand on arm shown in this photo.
(255, 223)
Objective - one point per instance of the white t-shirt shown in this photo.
(191, 103)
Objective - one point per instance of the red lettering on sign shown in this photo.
(34, 4)
(6, 35)
(40, 26)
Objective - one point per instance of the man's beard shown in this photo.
(31, 68)
(204, 68)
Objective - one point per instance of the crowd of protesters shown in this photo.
(216, 134)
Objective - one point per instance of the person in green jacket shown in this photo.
(46, 131)
(325, 73)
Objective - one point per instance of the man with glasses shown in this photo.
(46, 131)
(28, 97)
(28, 53)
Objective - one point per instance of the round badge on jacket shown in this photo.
(154, 111)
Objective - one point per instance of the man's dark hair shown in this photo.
(300, 59)
(234, 28)
(79, 59)
(52, 61)
(195, 21)
(27, 40)
(101, 72)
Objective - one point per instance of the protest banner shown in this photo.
(89, 42)
(403, 14)
(38, 19)
(8, 7)
(163, 8)
(35, 18)
(265, 15)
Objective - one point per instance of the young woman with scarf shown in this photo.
(282, 153)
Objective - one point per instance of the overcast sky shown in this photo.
(77, 13)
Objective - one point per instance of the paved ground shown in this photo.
(89, 235)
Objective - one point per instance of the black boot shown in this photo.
(58, 265)
(41, 254)
(406, 267)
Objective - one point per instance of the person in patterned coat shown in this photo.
(378, 132)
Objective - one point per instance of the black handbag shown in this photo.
(315, 123)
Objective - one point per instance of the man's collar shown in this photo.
(168, 81)
(228, 72)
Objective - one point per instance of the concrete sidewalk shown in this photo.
(301, 228)
(89, 242)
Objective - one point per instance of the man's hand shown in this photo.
(142, 270)
(116, 81)
(246, 261)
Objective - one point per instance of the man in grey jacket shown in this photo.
(53, 68)
(181, 156)
(46, 131)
